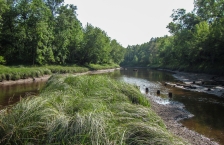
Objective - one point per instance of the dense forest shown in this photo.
(196, 42)
(39, 32)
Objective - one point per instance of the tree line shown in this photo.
(39, 32)
(197, 39)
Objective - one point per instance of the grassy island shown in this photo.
(84, 110)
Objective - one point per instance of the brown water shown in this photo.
(208, 110)
(9, 94)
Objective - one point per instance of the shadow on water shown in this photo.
(10, 94)
(208, 109)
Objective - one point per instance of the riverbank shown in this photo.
(172, 113)
(10, 75)
(46, 77)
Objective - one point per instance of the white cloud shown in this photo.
(130, 22)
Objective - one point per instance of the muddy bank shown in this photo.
(28, 80)
(171, 114)
(199, 82)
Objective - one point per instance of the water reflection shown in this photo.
(10, 94)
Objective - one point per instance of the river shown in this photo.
(208, 110)
(10, 94)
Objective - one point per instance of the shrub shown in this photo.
(2, 60)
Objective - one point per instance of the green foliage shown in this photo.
(2, 60)
(41, 32)
(196, 43)
(17, 72)
(96, 46)
(84, 110)
(102, 66)
(66, 69)
(4, 7)
(22, 72)
(117, 52)
(209, 10)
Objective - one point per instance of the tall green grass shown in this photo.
(67, 69)
(84, 110)
(24, 72)
(21, 72)
(102, 66)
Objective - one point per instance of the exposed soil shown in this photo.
(28, 80)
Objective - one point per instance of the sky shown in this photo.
(130, 22)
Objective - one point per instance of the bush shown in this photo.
(2, 60)
(8, 77)
(2, 77)
(15, 76)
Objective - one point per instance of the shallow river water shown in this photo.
(208, 110)
(10, 94)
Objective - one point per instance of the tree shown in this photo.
(54, 5)
(200, 42)
(48, 32)
(3, 8)
(26, 35)
(117, 52)
(209, 10)
(68, 34)
(96, 46)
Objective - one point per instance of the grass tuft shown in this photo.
(84, 110)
